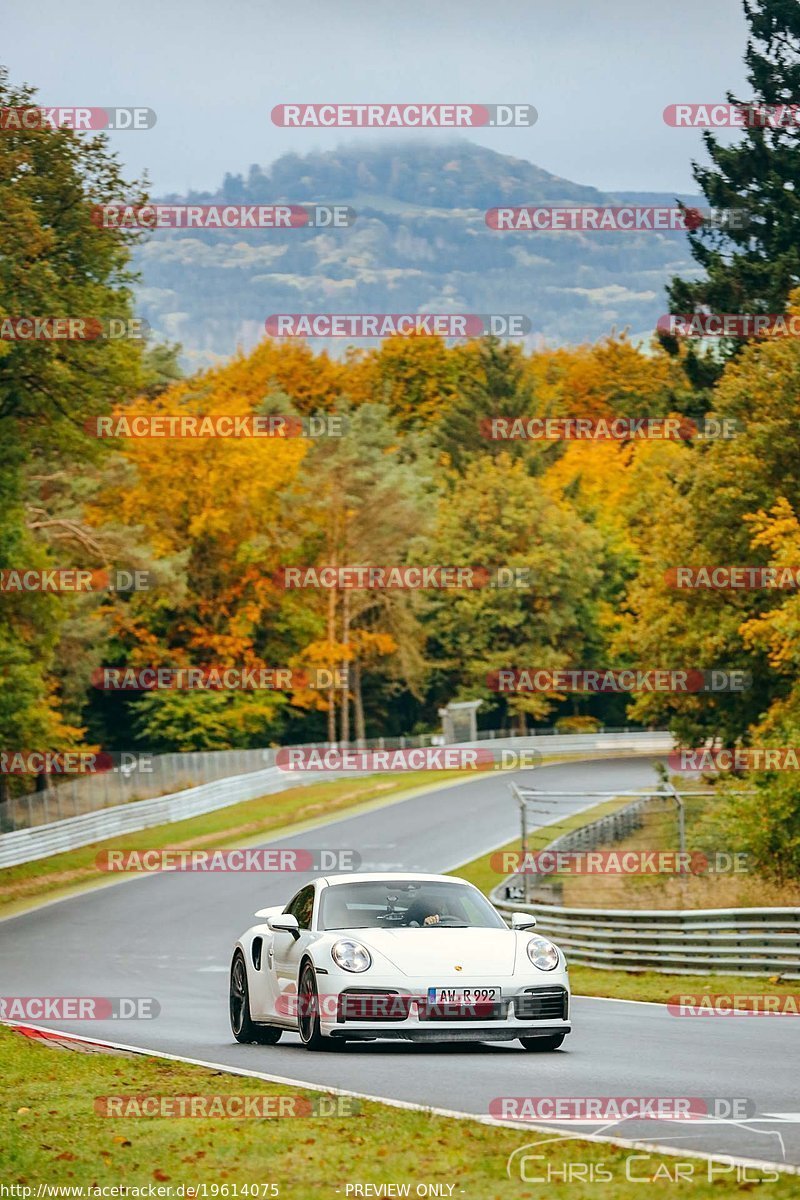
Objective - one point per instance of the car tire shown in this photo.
(543, 1043)
(244, 1029)
(308, 1012)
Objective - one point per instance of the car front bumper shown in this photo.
(381, 1009)
(447, 1033)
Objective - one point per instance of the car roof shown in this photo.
(377, 876)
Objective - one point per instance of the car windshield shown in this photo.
(406, 904)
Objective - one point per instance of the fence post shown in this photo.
(523, 819)
(681, 818)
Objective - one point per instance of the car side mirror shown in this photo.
(284, 923)
(522, 920)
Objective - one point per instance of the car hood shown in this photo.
(435, 953)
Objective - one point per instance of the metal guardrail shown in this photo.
(657, 741)
(144, 777)
(27, 845)
(746, 941)
(741, 941)
(612, 827)
(140, 776)
(39, 841)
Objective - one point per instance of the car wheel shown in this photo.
(543, 1043)
(245, 1030)
(308, 1012)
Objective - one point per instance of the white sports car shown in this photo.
(425, 958)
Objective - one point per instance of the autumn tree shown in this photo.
(701, 511)
(211, 509)
(361, 500)
(498, 516)
(54, 262)
(414, 376)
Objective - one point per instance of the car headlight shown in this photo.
(542, 954)
(351, 956)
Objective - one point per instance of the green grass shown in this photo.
(623, 985)
(648, 985)
(51, 1133)
(480, 870)
(237, 825)
(251, 820)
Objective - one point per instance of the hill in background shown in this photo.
(420, 243)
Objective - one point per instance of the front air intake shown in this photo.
(542, 1004)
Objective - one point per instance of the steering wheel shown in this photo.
(448, 919)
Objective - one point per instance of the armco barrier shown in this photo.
(26, 845)
(742, 941)
(746, 941)
(142, 776)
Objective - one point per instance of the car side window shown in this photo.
(302, 906)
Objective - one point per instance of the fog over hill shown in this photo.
(419, 243)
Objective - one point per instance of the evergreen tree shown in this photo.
(752, 264)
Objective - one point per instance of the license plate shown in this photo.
(463, 995)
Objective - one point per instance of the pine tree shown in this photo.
(752, 267)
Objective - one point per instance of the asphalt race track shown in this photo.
(169, 936)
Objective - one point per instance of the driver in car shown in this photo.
(422, 912)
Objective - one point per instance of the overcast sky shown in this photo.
(599, 75)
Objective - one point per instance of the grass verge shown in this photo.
(237, 825)
(480, 870)
(52, 1134)
(623, 985)
(648, 985)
